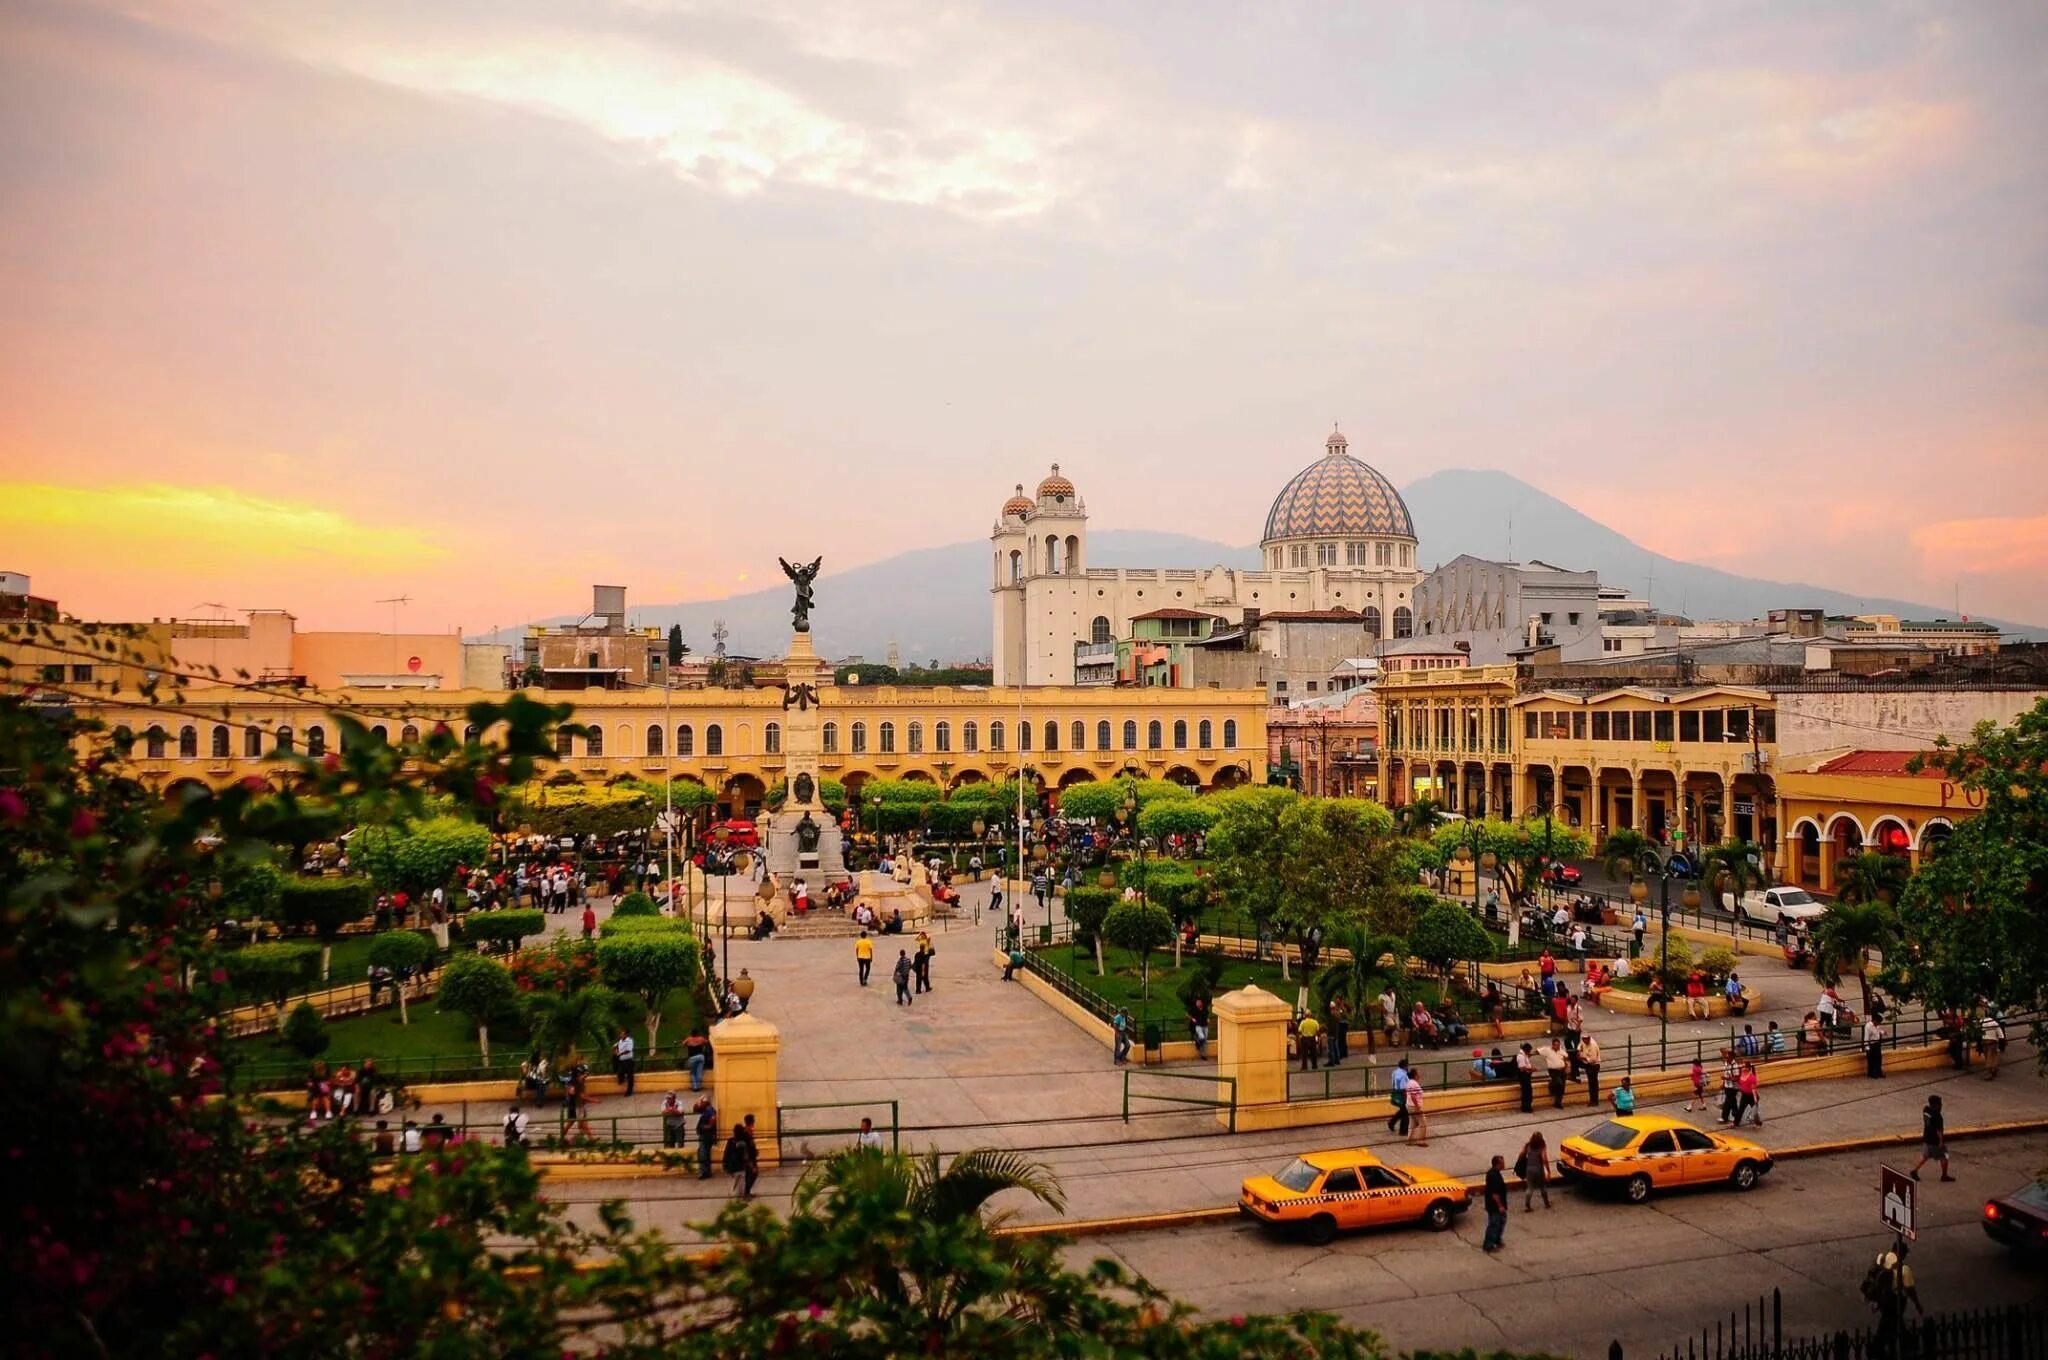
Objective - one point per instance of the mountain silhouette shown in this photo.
(933, 602)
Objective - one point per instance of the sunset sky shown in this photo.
(307, 304)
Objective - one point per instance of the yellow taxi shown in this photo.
(1322, 1192)
(1646, 1152)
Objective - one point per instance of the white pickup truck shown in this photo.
(1773, 905)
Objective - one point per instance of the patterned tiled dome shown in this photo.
(1338, 497)
(1019, 504)
(1056, 485)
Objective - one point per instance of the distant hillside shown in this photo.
(933, 602)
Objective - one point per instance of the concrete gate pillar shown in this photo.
(747, 1050)
(1251, 1046)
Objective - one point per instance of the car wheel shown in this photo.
(1638, 1188)
(1439, 1216)
(1321, 1230)
(1745, 1177)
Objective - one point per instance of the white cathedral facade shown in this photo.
(1338, 538)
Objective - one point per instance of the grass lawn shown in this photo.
(1123, 984)
(434, 1041)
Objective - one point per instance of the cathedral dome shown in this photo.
(1056, 486)
(1019, 504)
(1337, 496)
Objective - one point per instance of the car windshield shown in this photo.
(1795, 897)
(1299, 1175)
(2034, 1196)
(1610, 1135)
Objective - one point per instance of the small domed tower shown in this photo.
(1059, 528)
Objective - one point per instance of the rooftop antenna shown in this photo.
(394, 601)
(219, 617)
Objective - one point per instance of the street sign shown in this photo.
(1895, 1200)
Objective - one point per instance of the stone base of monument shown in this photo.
(784, 840)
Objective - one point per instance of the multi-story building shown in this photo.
(1505, 609)
(1327, 745)
(1338, 537)
(1962, 637)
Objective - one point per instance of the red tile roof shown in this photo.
(1892, 763)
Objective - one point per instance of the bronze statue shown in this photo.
(799, 696)
(807, 835)
(800, 613)
(804, 788)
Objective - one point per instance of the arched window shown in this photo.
(252, 742)
(1016, 565)
(686, 740)
(888, 738)
(1098, 631)
(565, 743)
(1204, 735)
(188, 743)
(1052, 735)
(408, 734)
(378, 733)
(714, 740)
(995, 736)
(1180, 734)
(154, 742)
(1230, 734)
(220, 743)
(771, 739)
(593, 740)
(656, 738)
(1152, 735)
(942, 736)
(1102, 735)
(1024, 736)
(1130, 734)
(469, 733)
(860, 738)
(1077, 736)
(316, 741)
(1404, 622)
(916, 737)
(1372, 620)
(970, 735)
(1052, 554)
(829, 737)
(285, 739)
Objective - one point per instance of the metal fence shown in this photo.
(1758, 1333)
(1173, 1096)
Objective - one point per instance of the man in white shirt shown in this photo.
(868, 1140)
(622, 1061)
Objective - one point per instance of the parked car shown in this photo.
(1562, 875)
(1774, 904)
(2020, 1219)
(1642, 1152)
(1321, 1192)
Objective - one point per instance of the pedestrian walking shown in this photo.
(1525, 1077)
(589, 923)
(1120, 1036)
(1496, 1202)
(1889, 1286)
(864, 956)
(1555, 1063)
(623, 1066)
(921, 964)
(1398, 1123)
(1589, 1063)
(995, 902)
(743, 1159)
(1636, 929)
(1933, 1138)
(707, 1134)
(1339, 1013)
(1574, 1033)
(1533, 1166)
(1699, 1086)
(1731, 1080)
(1418, 1119)
(902, 976)
(1747, 1085)
(516, 1125)
(1991, 1043)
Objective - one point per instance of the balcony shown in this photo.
(1094, 651)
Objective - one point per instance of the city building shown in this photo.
(1960, 638)
(1327, 745)
(1337, 537)
(1505, 609)
(597, 650)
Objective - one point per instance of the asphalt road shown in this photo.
(1593, 1270)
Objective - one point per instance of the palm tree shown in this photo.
(1352, 970)
(1733, 867)
(1625, 852)
(1871, 877)
(1846, 933)
(931, 1192)
(1418, 818)
(588, 1016)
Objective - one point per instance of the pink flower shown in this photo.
(13, 807)
(84, 822)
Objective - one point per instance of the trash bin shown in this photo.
(1151, 1036)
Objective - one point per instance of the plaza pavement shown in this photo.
(980, 1062)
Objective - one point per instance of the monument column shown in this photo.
(801, 837)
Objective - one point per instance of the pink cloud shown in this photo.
(2001, 543)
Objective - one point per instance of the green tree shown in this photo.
(419, 857)
(1846, 935)
(1246, 848)
(635, 903)
(1447, 933)
(1353, 969)
(587, 809)
(305, 1030)
(1175, 817)
(677, 648)
(1087, 908)
(404, 952)
(1626, 853)
(1519, 849)
(480, 990)
(831, 793)
(1871, 877)
(507, 926)
(269, 972)
(565, 1022)
(1141, 928)
(650, 964)
(1180, 892)
(1733, 868)
(1335, 868)
(1419, 818)
(323, 906)
(249, 888)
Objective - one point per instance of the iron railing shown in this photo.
(2014, 1332)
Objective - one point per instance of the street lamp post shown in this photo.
(1673, 865)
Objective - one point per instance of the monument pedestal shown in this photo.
(801, 838)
